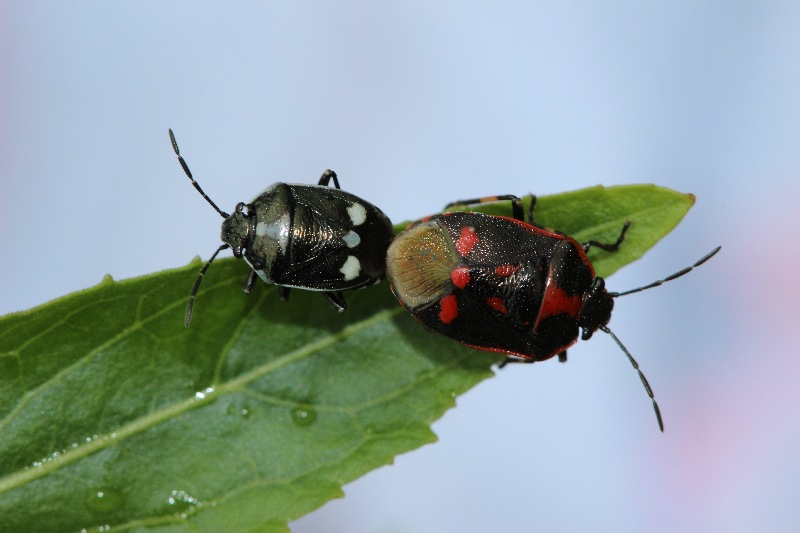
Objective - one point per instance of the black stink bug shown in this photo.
(312, 237)
(501, 284)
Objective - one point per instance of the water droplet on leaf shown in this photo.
(104, 500)
(180, 502)
(304, 416)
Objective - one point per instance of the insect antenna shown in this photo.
(189, 174)
(197, 284)
(677, 274)
(656, 283)
(641, 376)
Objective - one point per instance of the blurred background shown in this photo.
(414, 105)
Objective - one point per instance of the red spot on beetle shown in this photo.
(506, 270)
(497, 304)
(460, 277)
(466, 241)
(449, 308)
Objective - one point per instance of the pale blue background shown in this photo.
(415, 104)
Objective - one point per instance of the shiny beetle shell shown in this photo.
(312, 237)
(497, 283)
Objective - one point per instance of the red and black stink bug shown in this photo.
(501, 284)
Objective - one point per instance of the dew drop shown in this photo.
(104, 500)
(304, 416)
(181, 503)
(245, 409)
(203, 394)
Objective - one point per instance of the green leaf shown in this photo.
(112, 413)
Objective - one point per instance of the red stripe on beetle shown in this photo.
(497, 304)
(460, 277)
(449, 308)
(466, 241)
(556, 301)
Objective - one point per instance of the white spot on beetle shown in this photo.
(277, 230)
(352, 239)
(351, 268)
(358, 214)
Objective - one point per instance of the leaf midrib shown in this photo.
(200, 399)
